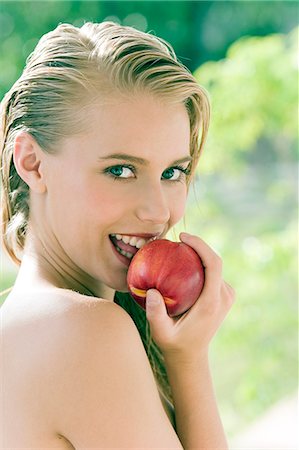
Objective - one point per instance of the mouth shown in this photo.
(123, 249)
(128, 245)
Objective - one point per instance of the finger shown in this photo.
(227, 293)
(230, 288)
(156, 311)
(212, 262)
(233, 294)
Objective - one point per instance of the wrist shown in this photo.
(182, 360)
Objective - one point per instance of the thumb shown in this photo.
(155, 306)
(161, 325)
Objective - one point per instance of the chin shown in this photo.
(119, 286)
(123, 288)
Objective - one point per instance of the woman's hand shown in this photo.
(187, 337)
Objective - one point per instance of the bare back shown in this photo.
(34, 351)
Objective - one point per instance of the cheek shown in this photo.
(111, 204)
(106, 204)
(178, 204)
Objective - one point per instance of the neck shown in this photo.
(43, 268)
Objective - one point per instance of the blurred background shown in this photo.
(244, 199)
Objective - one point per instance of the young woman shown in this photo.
(101, 135)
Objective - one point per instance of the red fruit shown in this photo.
(174, 268)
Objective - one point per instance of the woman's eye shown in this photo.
(120, 171)
(123, 172)
(174, 173)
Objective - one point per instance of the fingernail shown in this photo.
(152, 299)
(185, 235)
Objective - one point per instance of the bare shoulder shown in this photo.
(45, 304)
(106, 383)
(85, 357)
(45, 326)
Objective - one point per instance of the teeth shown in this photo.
(127, 254)
(140, 243)
(125, 239)
(132, 240)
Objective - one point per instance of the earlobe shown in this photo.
(26, 156)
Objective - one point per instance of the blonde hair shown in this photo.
(69, 68)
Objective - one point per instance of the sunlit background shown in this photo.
(244, 201)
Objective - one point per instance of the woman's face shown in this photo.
(93, 191)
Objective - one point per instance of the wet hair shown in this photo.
(69, 69)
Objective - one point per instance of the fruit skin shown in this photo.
(174, 268)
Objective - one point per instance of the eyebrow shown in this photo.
(137, 160)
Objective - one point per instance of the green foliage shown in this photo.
(254, 96)
(7, 279)
(258, 343)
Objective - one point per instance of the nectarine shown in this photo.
(174, 268)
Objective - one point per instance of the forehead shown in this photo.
(139, 123)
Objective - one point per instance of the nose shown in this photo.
(153, 205)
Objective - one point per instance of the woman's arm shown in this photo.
(184, 342)
(198, 424)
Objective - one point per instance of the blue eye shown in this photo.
(120, 171)
(123, 171)
(174, 173)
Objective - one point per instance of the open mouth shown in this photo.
(121, 247)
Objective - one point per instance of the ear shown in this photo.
(27, 160)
